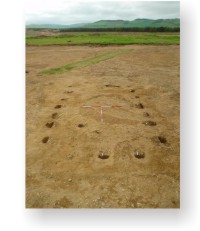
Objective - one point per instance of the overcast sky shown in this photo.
(82, 11)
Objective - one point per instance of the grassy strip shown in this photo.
(103, 39)
(82, 63)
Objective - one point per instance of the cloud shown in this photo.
(80, 11)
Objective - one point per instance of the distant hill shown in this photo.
(137, 23)
(140, 23)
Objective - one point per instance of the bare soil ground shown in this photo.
(139, 167)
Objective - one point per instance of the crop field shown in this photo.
(128, 156)
(104, 39)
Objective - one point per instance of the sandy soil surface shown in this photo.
(131, 159)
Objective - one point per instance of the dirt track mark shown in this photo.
(139, 106)
(45, 139)
(49, 125)
(138, 154)
(150, 123)
(146, 114)
(162, 139)
(58, 106)
(111, 85)
(103, 156)
(97, 131)
(68, 92)
(159, 140)
(81, 125)
(54, 116)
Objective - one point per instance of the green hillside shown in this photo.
(140, 23)
(137, 23)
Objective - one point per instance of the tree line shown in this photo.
(132, 29)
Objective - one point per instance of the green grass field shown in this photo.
(105, 39)
(83, 63)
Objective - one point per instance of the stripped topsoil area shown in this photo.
(131, 159)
